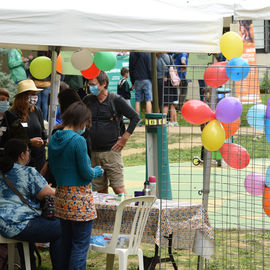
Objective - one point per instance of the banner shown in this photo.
(248, 90)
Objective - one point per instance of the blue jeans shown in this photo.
(202, 86)
(76, 241)
(42, 230)
(43, 99)
(143, 88)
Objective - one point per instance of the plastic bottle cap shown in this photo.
(152, 179)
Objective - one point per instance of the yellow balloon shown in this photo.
(213, 135)
(231, 45)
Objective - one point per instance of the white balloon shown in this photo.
(82, 59)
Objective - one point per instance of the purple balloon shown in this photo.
(228, 109)
(255, 183)
(268, 108)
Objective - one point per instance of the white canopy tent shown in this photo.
(108, 25)
(252, 10)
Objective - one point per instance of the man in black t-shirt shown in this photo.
(106, 138)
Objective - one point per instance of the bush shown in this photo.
(265, 84)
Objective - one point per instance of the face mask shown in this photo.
(32, 100)
(81, 131)
(4, 105)
(94, 90)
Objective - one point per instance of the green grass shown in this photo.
(234, 249)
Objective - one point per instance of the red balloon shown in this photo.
(266, 201)
(91, 72)
(197, 112)
(215, 75)
(235, 155)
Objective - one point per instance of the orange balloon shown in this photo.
(266, 201)
(231, 128)
(235, 155)
(59, 64)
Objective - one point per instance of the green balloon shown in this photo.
(41, 67)
(105, 60)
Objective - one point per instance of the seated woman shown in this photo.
(18, 220)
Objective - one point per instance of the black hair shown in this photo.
(66, 98)
(13, 149)
(76, 115)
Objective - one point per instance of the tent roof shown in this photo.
(252, 10)
(141, 25)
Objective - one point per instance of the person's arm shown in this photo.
(124, 109)
(46, 191)
(83, 162)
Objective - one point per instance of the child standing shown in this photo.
(123, 88)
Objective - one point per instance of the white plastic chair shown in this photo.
(139, 221)
(11, 252)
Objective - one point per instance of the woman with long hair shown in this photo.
(71, 167)
(25, 121)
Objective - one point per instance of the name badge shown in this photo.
(24, 124)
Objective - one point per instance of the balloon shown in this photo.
(197, 112)
(59, 64)
(215, 75)
(267, 129)
(266, 201)
(267, 177)
(231, 45)
(256, 116)
(237, 69)
(254, 184)
(268, 108)
(213, 135)
(228, 109)
(41, 67)
(235, 155)
(231, 128)
(91, 72)
(105, 60)
(82, 59)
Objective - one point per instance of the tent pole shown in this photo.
(55, 83)
(154, 83)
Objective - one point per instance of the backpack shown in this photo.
(116, 117)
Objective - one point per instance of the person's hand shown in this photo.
(120, 144)
(165, 79)
(36, 141)
(44, 169)
(132, 87)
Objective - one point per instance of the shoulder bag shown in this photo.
(46, 205)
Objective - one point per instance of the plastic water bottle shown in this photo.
(146, 189)
(152, 185)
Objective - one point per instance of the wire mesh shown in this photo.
(234, 200)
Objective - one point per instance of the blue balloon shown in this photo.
(237, 69)
(267, 129)
(256, 116)
(267, 177)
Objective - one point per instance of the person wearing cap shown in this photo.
(25, 121)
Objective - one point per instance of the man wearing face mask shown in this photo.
(107, 137)
(25, 121)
